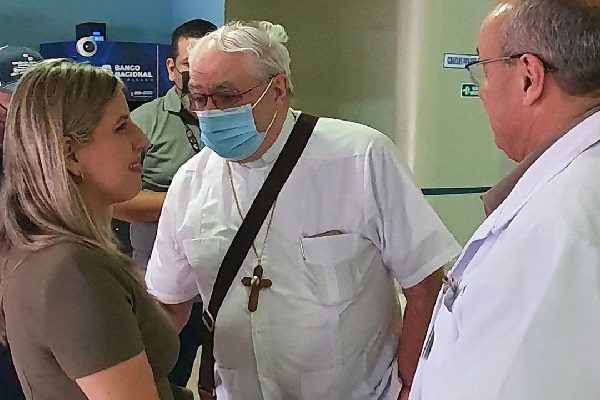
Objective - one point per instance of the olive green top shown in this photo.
(72, 311)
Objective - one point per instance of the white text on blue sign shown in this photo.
(458, 61)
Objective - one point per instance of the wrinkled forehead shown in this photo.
(217, 70)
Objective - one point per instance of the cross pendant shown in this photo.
(255, 283)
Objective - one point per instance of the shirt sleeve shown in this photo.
(411, 237)
(169, 276)
(144, 118)
(89, 316)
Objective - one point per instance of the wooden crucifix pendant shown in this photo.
(255, 283)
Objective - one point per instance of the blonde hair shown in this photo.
(41, 201)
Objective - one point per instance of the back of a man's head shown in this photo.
(14, 62)
(565, 34)
(195, 28)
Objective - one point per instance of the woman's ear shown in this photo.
(69, 152)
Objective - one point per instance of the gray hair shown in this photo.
(261, 38)
(565, 34)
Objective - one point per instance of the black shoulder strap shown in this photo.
(188, 119)
(291, 152)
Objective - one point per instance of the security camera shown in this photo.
(86, 46)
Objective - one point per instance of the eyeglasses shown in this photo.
(477, 72)
(221, 100)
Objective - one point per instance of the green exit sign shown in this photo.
(469, 90)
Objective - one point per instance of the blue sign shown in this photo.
(141, 66)
(458, 61)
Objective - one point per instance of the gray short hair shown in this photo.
(261, 38)
(563, 33)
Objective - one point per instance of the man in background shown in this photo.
(174, 138)
(14, 61)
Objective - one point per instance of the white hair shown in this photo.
(262, 38)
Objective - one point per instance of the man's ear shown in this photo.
(280, 84)
(533, 78)
(171, 69)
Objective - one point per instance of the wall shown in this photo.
(210, 10)
(342, 54)
(363, 36)
(448, 139)
(29, 23)
(311, 46)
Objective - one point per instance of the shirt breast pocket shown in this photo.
(334, 266)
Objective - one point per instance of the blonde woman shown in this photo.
(79, 323)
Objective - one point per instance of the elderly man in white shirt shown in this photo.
(348, 221)
(519, 315)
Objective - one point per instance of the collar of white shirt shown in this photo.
(547, 166)
(273, 152)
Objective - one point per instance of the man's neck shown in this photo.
(177, 89)
(552, 124)
(496, 195)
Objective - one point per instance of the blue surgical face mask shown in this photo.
(232, 133)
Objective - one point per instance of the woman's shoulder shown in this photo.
(65, 264)
(56, 253)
